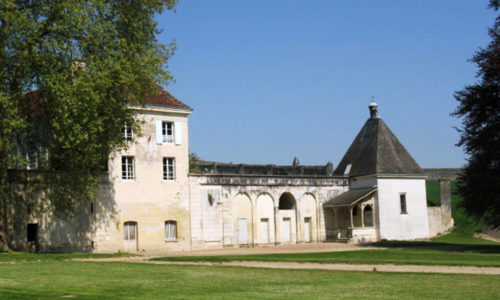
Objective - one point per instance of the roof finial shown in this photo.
(373, 109)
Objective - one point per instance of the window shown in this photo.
(129, 231)
(168, 168)
(355, 210)
(402, 200)
(127, 132)
(32, 160)
(128, 167)
(167, 132)
(170, 231)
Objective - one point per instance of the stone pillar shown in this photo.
(276, 239)
(350, 214)
(445, 193)
(362, 216)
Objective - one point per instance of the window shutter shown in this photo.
(178, 133)
(159, 138)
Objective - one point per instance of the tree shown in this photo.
(88, 62)
(479, 110)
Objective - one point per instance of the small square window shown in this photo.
(402, 200)
(168, 168)
(128, 167)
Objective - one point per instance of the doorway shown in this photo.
(307, 229)
(286, 232)
(264, 231)
(242, 231)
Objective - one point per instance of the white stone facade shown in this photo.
(141, 207)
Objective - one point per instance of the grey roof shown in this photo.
(350, 197)
(376, 150)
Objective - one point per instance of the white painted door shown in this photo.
(242, 231)
(264, 231)
(307, 229)
(130, 236)
(286, 231)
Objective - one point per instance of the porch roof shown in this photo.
(350, 197)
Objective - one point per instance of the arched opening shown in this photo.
(368, 216)
(287, 201)
(288, 227)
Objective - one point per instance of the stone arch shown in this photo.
(241, 211)
(308, 218)
(287, 229)
(368, 215)
(287, 201)
(265, 223)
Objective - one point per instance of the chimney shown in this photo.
(373, 110)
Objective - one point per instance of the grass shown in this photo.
(391, 256)
(85, 280)
(433, 192)
(464, 225)
(454, 249)
(23, 256)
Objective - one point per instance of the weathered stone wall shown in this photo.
(440, 219)
(256, 200)
(148, 199)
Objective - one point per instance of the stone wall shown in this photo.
(251, 203)
(440, 220)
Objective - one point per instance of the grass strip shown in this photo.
(89, 280)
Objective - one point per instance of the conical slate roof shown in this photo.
(376, 150)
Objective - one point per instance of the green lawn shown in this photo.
(400, 256)
(86, 280)
(23, 256)
(454, 249)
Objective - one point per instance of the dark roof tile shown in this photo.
(164, 98)
(376, 150)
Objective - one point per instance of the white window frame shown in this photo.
(169, 168)
(167, 132)
(128, 234)
(128, 168)
(128, 133)
(170, 231)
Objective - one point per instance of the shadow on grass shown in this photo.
(438, 245)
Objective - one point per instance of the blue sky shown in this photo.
(270, 80)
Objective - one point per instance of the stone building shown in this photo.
(149, 201)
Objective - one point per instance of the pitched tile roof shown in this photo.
(164, 98)
(376, 150)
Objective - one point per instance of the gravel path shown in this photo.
(302, 248)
